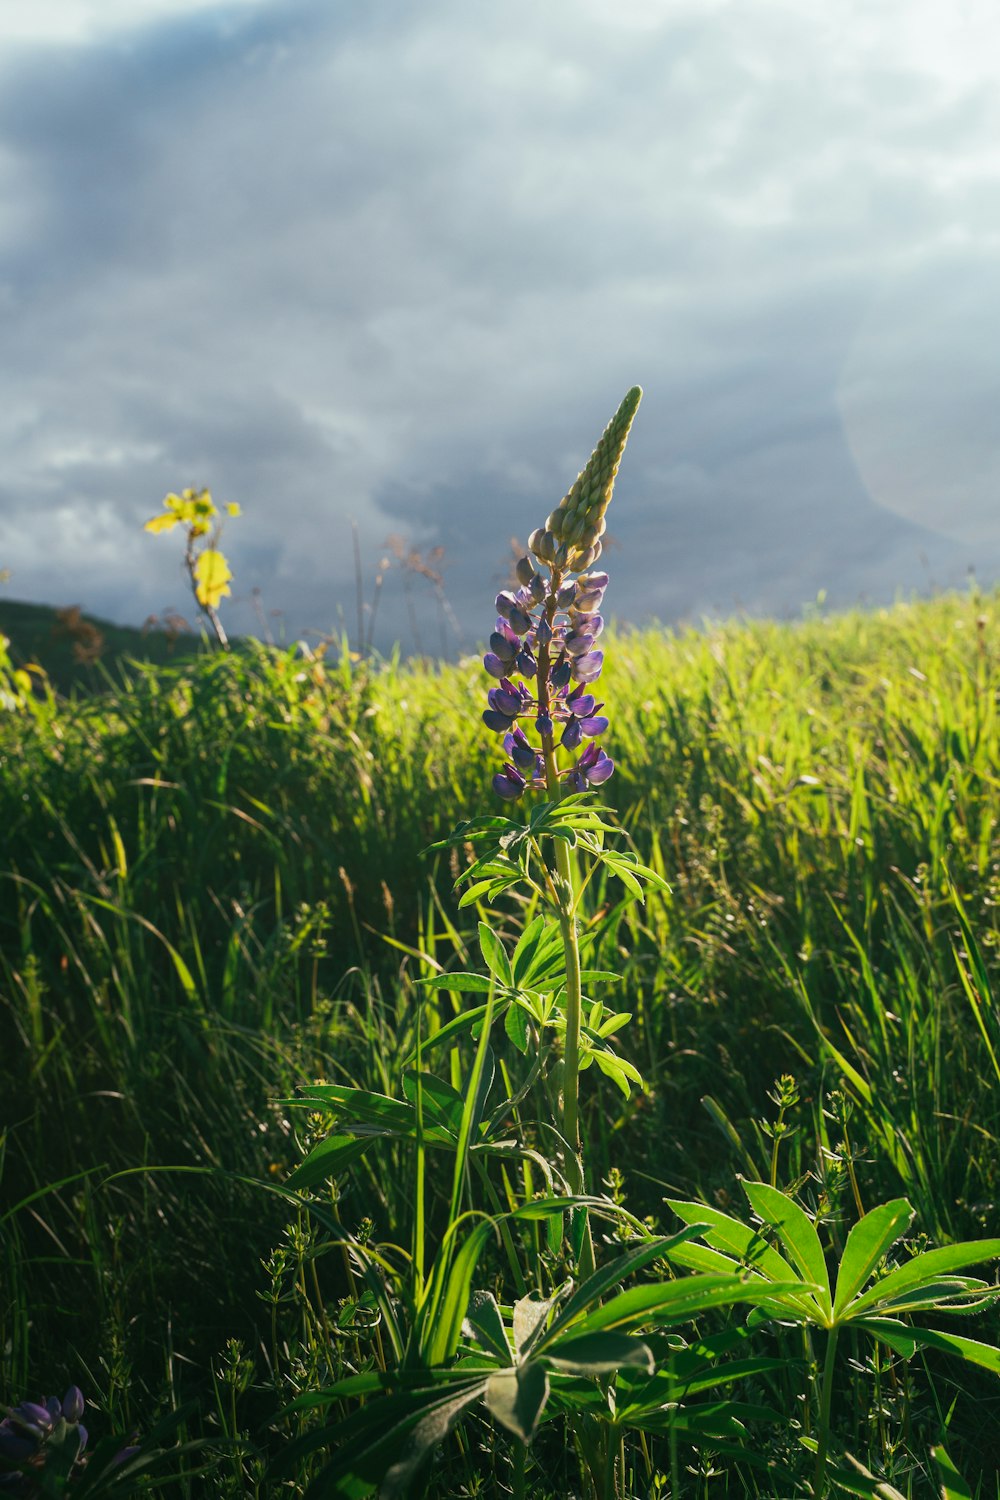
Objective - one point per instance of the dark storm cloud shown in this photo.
(400, 263)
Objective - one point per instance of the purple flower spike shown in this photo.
(509, 783)
(588, 668)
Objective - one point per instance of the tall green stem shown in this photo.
(826, 1400)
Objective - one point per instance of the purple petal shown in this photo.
(506, 787)
(572, 735)
(543, 632)
(520, 623)
(499, 723)
(502, 644)
(588, 582)
(579, 643)
(32, 1415)
(580, 703)
(506, 601)
(537, 589)
(505, 702)
(604, 768)
(543, 723)
(596, 724)
(577, 781)
(588, 668)
(526, 663)
(566, 596)
(73, 1404)
(495, 666)
(561, 674)
(587, 603)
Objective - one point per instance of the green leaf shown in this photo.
(441, 1103)
(529, 1321)
(438, 1324)
(662, 1304)
(747, 1245)
(516, 1026)
(495, 954)
(906, 1339)
(464, 983)
(599, 1354)
(953, 1486)
(517, 1398)
(606, 1278)
(867, 1243)
(483, 1321)
(466, 1021)
(924, 1268)
(797, 1233)
(327, 1159)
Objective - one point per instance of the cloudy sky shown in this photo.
(397, 261)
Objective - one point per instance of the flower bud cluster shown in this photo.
(571, 537)
(546, 634)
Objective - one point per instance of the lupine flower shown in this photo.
(546, 632)
(29, 1430)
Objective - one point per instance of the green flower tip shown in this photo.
(578, 521)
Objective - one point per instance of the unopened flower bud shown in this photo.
(543, 544)
(524, 570)
(566, 596)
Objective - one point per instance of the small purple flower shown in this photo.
(594, 765)
(520, 752)
(509, 783)
(587, 668)
(505, 699)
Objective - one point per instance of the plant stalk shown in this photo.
(826, 1401)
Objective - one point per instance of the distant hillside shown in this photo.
(77, 649)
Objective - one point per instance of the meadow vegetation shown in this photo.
(215, 901)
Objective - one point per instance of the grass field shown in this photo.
(214, 894)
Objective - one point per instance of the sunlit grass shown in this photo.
(212, 892)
